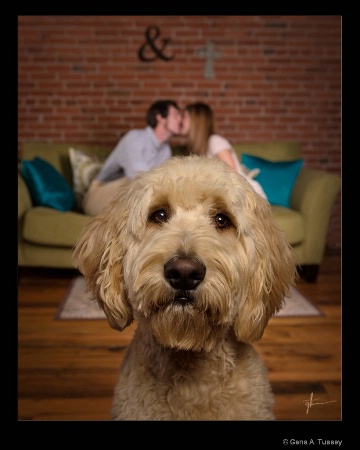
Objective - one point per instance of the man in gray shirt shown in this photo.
(137, 151)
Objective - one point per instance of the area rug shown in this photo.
(79, 304)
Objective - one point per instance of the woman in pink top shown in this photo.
(198, 126)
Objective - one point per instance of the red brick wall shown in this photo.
(277, 78)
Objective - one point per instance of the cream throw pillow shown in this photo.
(84, 169)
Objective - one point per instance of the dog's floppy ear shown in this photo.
(273, 272)
(99, 253)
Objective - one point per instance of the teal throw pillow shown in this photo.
(276, 178)
(46, 185)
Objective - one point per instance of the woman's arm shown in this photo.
(226, 155)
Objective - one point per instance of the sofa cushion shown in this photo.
(46, 226)
(291, 222)
(272, 151)
(46, 185)
(276, 178)
(84, 169)
(58, 154)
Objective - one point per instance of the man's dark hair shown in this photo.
(159, 107)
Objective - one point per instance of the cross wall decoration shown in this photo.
(210, 56)
(157, 48)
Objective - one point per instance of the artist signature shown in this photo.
(309, 403)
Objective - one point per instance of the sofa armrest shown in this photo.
(24, 199)
(313, 196)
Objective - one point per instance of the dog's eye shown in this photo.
(159, 216)
(222, 221)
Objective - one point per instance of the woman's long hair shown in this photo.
(201, 127)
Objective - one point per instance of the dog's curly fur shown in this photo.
(191, 253)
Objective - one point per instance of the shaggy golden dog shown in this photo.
(192, 253)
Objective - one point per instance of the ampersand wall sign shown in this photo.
(152, 33)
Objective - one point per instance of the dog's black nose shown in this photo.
(184, 273)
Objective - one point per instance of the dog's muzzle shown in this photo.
(184, 274)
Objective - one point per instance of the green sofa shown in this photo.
(47, 236)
